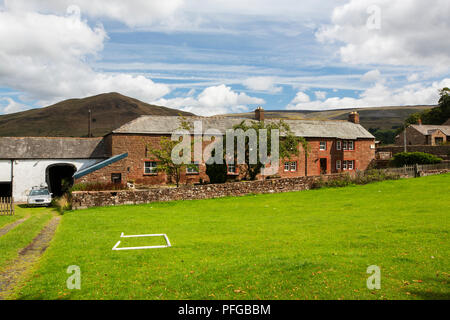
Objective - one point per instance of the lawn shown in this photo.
(24, 233)
(303, 245)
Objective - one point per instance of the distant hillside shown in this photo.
(69, 118)
(382, 118)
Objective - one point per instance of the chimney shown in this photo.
(354, 117)
(259, 114)
(419, 122)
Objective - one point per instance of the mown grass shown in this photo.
(306, 245)
(7, 219)
(23, 234)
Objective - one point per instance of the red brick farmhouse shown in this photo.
(336, 146)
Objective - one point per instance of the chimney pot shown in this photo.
(259, 114)
(354, 117)
(419, 122)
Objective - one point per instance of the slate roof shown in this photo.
(427, 129)
(301, 128)
(52, 148)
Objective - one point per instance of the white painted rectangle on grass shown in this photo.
(168, 244)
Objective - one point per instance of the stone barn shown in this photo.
(35, 161)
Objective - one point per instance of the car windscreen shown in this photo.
(39, 193)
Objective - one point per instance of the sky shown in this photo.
(213, 57)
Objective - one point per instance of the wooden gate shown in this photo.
(6, 206)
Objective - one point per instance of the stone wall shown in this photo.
(88, 199)
(440, 151)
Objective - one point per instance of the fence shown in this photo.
(6, 206)
(414, 170)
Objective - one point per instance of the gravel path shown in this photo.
(8, 228)
(28, 256)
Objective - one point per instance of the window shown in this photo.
(339, 145)
(350, 165)
(348, 145)
(338, 165)
(116, 177)
(150, 167)
(192, 169)
(287, 166)
(351, 145)
(231, 168)
(438, 140)
(323, 145)
(293, 166)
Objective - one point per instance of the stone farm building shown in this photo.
(421, 134)
(123, 155)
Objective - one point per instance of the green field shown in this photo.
(304, 245)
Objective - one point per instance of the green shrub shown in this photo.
(412, 158)
(361, 178)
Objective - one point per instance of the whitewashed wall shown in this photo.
(31, 173)
(5, 170)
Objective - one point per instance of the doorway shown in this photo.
(323, 166)
(5, 189)
(59, 178)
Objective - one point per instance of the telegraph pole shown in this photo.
(404, 140)
(89, 124)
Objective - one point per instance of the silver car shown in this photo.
(39, 197)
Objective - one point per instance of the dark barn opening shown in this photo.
(5, 189)
(60, 178)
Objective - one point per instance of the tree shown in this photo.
(163, 155)
(288, 145)
(436, 116)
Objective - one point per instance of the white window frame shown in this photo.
(153, 170)
(344, 145)
(287, 166)
(338, 164)
(231, 165)
(350, 165)
(293, 166)
(320, 145)
(351, 145)
(344, 165)
(339, 145)
(193, 170)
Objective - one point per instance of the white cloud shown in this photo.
(300, 98)
(262, 84)
(412, 32)
(131, 12)
(376, 96)
(46, 57)
(213, 101)
(320, 95)
(371, 76)
(192, 15)
(12, 106)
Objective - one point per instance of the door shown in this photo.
(323, 166)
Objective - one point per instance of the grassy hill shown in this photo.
(383, 118)
(69, 118)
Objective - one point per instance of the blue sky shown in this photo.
(215, 57)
